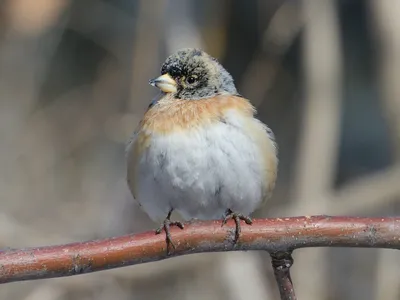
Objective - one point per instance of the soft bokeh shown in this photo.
(74, 74)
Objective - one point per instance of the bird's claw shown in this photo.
(166, 225)
(229, 214)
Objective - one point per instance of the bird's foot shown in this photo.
(229, 214)
(166, 227)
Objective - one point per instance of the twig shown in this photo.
(272, 235)
(281, 263)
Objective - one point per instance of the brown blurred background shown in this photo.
(74, 74)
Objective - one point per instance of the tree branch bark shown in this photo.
(272, 235)
(281, 263)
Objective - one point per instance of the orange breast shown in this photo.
(171, 115)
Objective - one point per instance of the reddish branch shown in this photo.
(272, 235)
(281, 263)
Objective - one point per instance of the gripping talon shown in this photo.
(166, 227)
(229, 214)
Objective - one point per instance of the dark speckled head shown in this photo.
(197, 75)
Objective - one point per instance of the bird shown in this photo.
(199, 148)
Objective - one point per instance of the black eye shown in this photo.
(191, 79)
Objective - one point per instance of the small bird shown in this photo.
(199, 149)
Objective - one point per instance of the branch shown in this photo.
(281, 263)
(272, 235)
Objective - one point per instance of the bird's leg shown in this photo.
(166, 226)
(229, 214)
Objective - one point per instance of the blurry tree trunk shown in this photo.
(386, 16)
(29, 38)
(319, 136)
(387, 23)
(148, 42)
(181, 30)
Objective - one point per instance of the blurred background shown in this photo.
(74, 84)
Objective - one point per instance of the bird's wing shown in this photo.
(132, 154)
(269, 149)
(133, 149)
(264, 139)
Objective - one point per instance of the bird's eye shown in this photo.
(191, 79)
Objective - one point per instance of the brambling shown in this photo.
(199, 149)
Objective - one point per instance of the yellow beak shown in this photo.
(165, 83)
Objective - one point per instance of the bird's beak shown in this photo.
(165, 83)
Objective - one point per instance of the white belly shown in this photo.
(201, 174)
